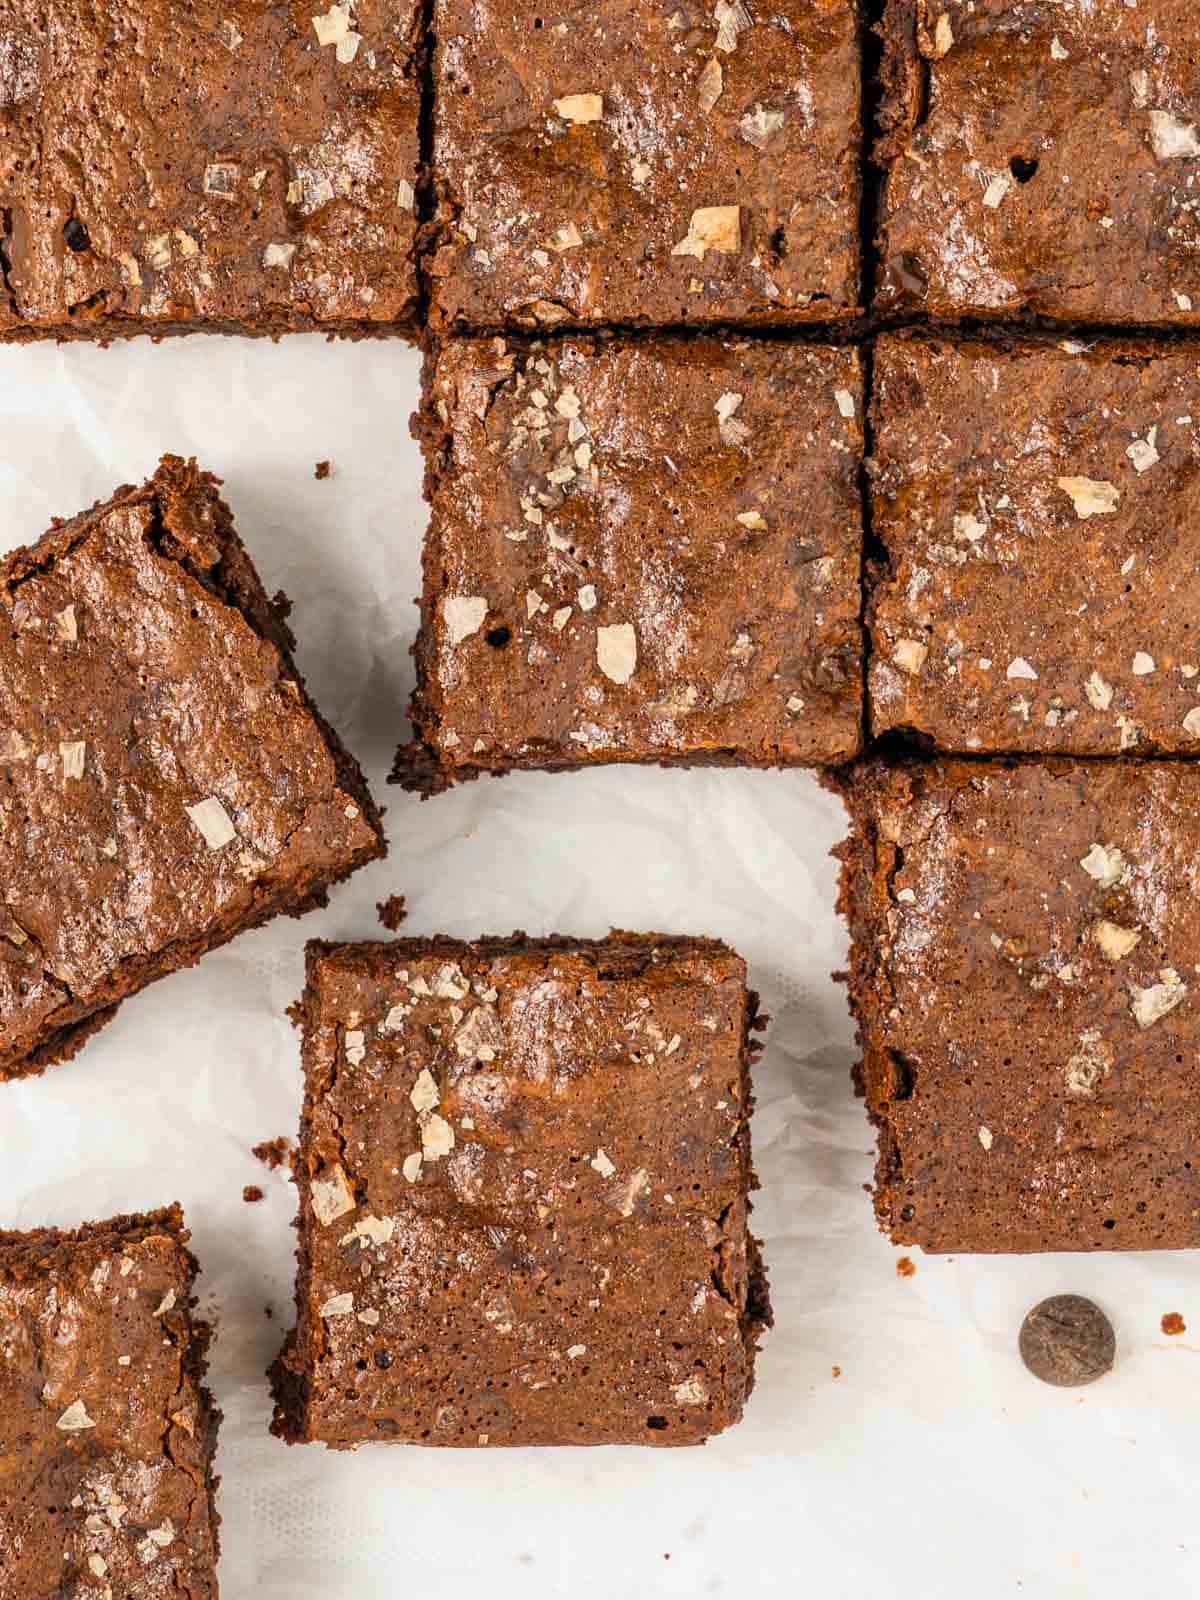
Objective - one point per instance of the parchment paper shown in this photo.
(933, 1466)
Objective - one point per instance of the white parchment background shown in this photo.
(934, 1466)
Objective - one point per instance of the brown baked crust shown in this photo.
(578, 506)
(1027, 1066)
(547, 219)
(140, 632)
(208, 168)
(119, 1494)
(572, 1086)
(1040, 511)
(1077, 125)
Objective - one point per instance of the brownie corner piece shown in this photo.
(261, 179)
(608, 578)
(675, 166)
(1023, 981)
(107, 1432)
(565, 1120)
(1033, 500)
(1040, 160)
(156, 728)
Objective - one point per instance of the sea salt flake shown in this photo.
(712, 228)
(616, 651)
(1091, 497)
(1150, 1005)
(331, 1196)
(211, 820)
(463, 616)
(75, 1418)
(580, 108)
(1105, 864)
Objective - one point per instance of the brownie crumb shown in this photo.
(836, 1371)
(322, 470)
(1067, 1341)
(272, 1152)
(1173, 1324)
(392, 911)
(905, 1267)
(251, 1193)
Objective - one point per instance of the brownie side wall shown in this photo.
(867, 861)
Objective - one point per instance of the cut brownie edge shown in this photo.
(738, 1273)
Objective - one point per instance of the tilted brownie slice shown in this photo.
(233, 168)
(1024, 978)
(1040, 517)
(107, 1435)
(165, 782)
(524, 1175)
(656, 165)
(1041, 158)
(639, 551)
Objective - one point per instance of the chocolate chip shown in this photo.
(76, 236)
(1067, 1341)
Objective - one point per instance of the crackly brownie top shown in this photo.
(104, 1434)
(665, 163)
(1034, 931)
(160, 770)
(1043, 156)
(216, 161)
(524, 1185)
(1041, 515)
(642, 551)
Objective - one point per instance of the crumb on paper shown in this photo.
(905, 1267)
(835, 1371)
(1173, 1324)
(323, 470)
(392, 911)
(251, 1194)
(272, 1153)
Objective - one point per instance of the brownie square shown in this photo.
(524, 1173)
(1041, 158)
(669, 164)
(165, 782)
(1024, 978)
(242, 168)
(106, 1433)
(639, 551)
(1037, 504)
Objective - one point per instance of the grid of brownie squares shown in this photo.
(686, 510)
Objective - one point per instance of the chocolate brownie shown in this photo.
(1024, 978)
(662, 164)
(235, 168)
(1041, 587)
(639, 551)
(106, 1432)
(524, 1177)
(1041, 157)
(165, 782)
